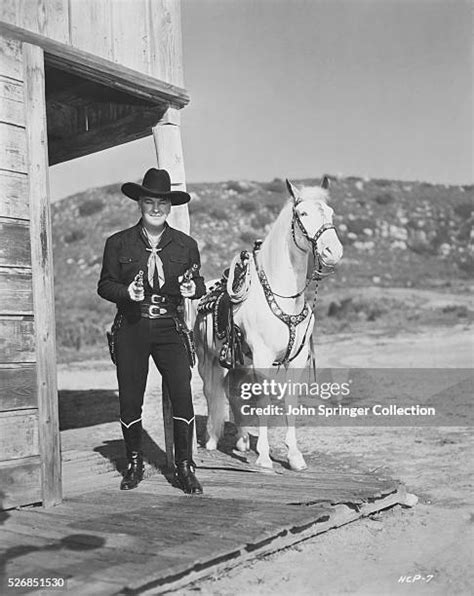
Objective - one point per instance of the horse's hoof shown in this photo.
(264, 462)
(297, 463)
(211, 445)
(243, 444)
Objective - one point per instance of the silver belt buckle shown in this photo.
(155, 311)
(155, 299)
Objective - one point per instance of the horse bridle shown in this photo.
(317, 273)
(311, 239)
(292, 321)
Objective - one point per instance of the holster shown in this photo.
(112, 336)
(231, 353)
(188, 339)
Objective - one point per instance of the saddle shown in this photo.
(230, 290)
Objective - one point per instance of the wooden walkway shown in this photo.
(155, 538)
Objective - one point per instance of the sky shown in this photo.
(298, 88)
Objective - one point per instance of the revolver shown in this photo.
(138, 280)
(188, 274)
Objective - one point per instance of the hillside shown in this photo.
(410, 235)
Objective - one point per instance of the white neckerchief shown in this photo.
(154, 261)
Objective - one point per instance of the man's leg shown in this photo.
(132, 371)
(170, 356)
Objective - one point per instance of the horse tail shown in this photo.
(212, 375)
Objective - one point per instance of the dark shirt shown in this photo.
(126, 254)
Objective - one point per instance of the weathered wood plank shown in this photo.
(8, 11)
(12, 148)
(11, 102)
(130, 34)
(82, 14)
(14, 244)
(19, 434)
(16, 291)
(20, 482)
(14, 195)
(100, 70)
(172, 538)
(56, 21)
(43, 273)
(48, 17)
(18, 387)
(166, 54)
(17, 342)
(130, 128)
(10, 55)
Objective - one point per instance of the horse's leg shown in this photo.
(295, 457)
(212, 376)
(243, 441)
(263, 359)
(216, 403)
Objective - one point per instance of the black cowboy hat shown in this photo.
(156, 183)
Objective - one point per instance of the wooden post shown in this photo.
(42, 273)
(169, 153)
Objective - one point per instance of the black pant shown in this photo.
(136, 341)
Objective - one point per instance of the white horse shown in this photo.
(303, 231)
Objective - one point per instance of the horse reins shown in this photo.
(292, 321)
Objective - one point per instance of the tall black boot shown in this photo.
(134, 474)
(185, 467)
(133, 441)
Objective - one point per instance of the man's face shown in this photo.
(154, 210)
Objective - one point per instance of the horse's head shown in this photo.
(312, 224)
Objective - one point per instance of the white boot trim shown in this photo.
(130, 424)
(188, 422)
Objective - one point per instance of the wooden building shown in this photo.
(76, 77)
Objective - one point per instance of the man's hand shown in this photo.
(187, 288)
(136, 291)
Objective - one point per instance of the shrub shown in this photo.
(466, 263)
(276, 185)
(274, 203)
(384, 198)
(464, 210)
(90, 207)
(382, 182)
(238, 186)
(248, 236)
(358, 225)
(74, 236)
(368, 309)
(247, 205)
(421, 245)
(194, 206)
(440, 237)
(464, 233)
(460, 310)
(218, 212)
(261, 219)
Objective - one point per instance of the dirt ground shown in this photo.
(430, 545)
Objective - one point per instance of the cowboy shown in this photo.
(147, 271)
